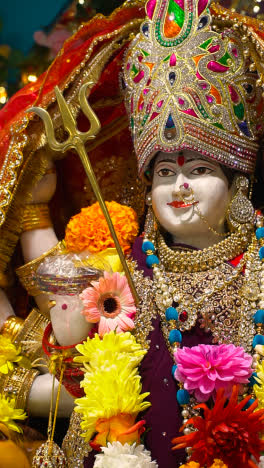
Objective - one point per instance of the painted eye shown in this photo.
(201, 170)
(165, 172)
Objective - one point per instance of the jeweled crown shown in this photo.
(189, 86)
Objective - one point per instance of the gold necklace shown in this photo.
(192, 296)
(198, 288)
(202, 260)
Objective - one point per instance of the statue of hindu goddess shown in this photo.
(162, 367)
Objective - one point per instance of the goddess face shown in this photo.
(190, 193)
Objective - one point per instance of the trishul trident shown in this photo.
(77, 141)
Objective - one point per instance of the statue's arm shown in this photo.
(5, 308)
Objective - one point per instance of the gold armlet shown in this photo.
(27, 273)
(18, 384)
(36, 216)
(30, 335)
(12, 326)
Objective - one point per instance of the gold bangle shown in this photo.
(36, 216)
(18, 384)
(12, 326)
(27, 273)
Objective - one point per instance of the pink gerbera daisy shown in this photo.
(109, 301)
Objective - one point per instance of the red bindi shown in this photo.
(181, 160)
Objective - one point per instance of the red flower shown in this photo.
(226, 432)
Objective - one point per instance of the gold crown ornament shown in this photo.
(192, 81)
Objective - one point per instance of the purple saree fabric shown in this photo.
(163, 418)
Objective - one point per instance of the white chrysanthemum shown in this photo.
(261, 462)
(124, 456)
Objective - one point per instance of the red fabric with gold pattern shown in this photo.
(64, 66)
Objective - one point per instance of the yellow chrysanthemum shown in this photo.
(259, 388)
(89, 229)
(8, 413)
(112, 346)
(111, 383)
(9, 354)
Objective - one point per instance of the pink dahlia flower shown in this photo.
(109, 301)
(204, 369)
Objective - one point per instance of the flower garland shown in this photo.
(227, 432)
(8, 413)
(112, 389)
(118, 455)
(112, 384)
(89, 229)
(10, 356)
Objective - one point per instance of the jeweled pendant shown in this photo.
(170, 130)
(172, 78)
(49, 459)
(183, 317)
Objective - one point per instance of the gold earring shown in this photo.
(150, 226)
(149, 199)
(240, 211)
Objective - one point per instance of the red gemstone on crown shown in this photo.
(183, 316)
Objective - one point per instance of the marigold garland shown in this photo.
(89, 229)
(112, 388)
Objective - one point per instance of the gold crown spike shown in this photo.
(76, 141)
(188, 86)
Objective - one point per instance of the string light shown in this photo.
(28, 77)
(32, 78)
(3, 95)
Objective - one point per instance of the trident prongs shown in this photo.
(77, 140)
(69, 121)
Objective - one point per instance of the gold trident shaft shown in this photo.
(77, 141)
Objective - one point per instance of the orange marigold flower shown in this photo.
(191, 465)
(218, 464)
(89, 229)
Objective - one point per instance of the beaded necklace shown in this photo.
(171, 303)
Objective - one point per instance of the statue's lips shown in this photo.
(181, 204)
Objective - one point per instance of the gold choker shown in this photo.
(201, 260)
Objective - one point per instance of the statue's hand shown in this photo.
(45, 188)
(69, 325)
(40, 394)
